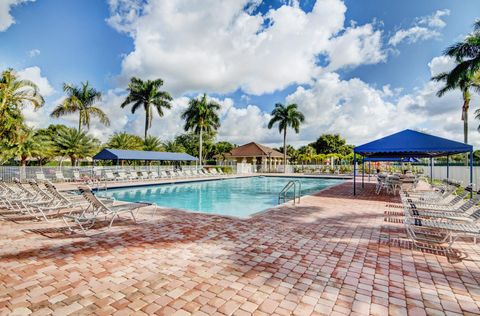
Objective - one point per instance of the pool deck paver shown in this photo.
(331, 255)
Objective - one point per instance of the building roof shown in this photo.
(255, 150)
(409, 143)
(119, 154)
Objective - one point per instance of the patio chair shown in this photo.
(77, 177)
(164, 174)
(97, 209)
(428, 233)
(60, 177)
(154, 175)
(40, 176)
(451, 206)
(109, 176)
(122, 176)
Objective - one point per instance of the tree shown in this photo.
(201, 116)
(147, 93)
(293, 153)
(75, 144)
(14, 95)
(221, 148)
(152, 144)
(28, 145)
(81, 100)
(286, 116)
(465, 73)
(463, 83)
(173, 147)
(125, 141)
(331, 144)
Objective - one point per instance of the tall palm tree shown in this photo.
(201, 116)
(14, 95)
(286, 116)
(464, 84)
(75, 144)
(147, 93)
(82, 100)
(467, 56)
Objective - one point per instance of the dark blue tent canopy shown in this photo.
(119, 154)
(387, 159)
(409, 143)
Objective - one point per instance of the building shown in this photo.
(262, 157)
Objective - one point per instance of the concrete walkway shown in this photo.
(331, 255)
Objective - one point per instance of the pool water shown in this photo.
(238, 197)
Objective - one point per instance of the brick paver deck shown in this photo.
(331, 255)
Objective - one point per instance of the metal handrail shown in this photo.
(283, 193)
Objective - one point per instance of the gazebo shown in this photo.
(120, 154)
(410, 144)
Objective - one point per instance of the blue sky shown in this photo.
(73, 41)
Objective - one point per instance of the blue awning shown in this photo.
(409, 143)
(120, 154)
(390, 159)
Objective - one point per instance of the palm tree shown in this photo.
(75, 144)
(146, 93)
(82, 100)
(28, 145)
(286, 116)
(152, 144)
(173, 146)
(201, 116)
(14, 95)
(464, 84)
(467, 55)
(125, 141)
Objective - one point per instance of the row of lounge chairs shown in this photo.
(42, 201)
(130, 175)
(439, 217)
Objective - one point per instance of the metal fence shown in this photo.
(459, 173)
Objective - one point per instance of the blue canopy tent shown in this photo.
(119, 154)
(386, 159)
(410, 144)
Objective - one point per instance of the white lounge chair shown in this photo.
(97, 209)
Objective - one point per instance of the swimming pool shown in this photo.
(238, 197)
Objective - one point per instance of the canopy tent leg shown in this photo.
(431, 170)
(471, 172)
(354, 174)
(369, 170)
(448, 167)
(363, 172)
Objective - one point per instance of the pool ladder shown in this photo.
(282, 196)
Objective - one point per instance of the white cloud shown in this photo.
(425, 28)
(435, 20)
(218, 46)
(33, 53)
(34, 74)
(6, 19)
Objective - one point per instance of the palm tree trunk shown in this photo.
(80, 122)
(201, 146)
(147, 117)
(466, 105)
(285, 150)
